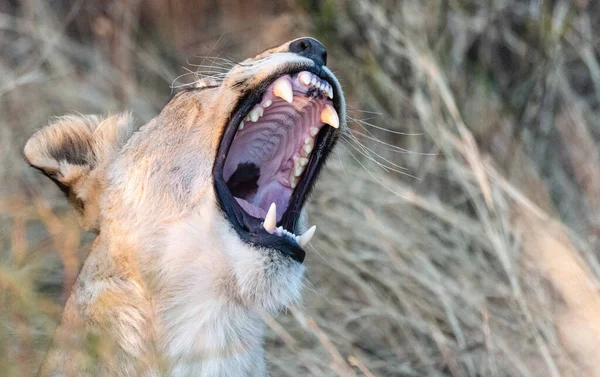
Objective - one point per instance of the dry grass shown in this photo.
(461, 241)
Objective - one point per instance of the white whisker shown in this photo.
(365, 123)
(175, 86)
(386, 168)
(353, 138)
(395, 148)
(372, 175)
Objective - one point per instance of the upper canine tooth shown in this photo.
(270, 222)
(314, 131)
(283, 89)
(329, 116)
(307, 236)
(305, 78)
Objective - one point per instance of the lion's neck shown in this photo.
(183, 311)
(210, 338)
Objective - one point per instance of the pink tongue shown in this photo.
(273, 192)
(251, 209)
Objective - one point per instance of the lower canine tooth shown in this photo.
(282, 88)
(307, 236)
(329, 116)
(270, 222)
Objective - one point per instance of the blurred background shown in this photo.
(459, 220)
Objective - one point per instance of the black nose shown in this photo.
(310, 48)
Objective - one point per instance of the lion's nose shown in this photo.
(310, 48)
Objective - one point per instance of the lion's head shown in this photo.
(208, 197)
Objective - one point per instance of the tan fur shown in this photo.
(168, 288)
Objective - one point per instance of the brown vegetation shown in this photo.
(458, 223)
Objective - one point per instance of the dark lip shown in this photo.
(249, 228)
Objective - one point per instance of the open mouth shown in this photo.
(270, 155)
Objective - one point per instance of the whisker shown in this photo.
(365, 123)
(209, 73)
(353, 138)
(365, 111)
(224, 60)
(174, 86)
(372, 175)
(212, 67)
(381, 165)
(395, 148)
(367, 155)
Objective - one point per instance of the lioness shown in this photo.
(199, 218)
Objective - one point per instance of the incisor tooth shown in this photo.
(241, 125)
(313, 81)
(293, 181)
(307, 236)
(307, 148)
(304, 78)
(270, 222)
(329, 91)
(303, 161)
(329, 116)
(283, 89)
(267, 103)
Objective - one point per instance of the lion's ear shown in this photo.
(74, 151)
